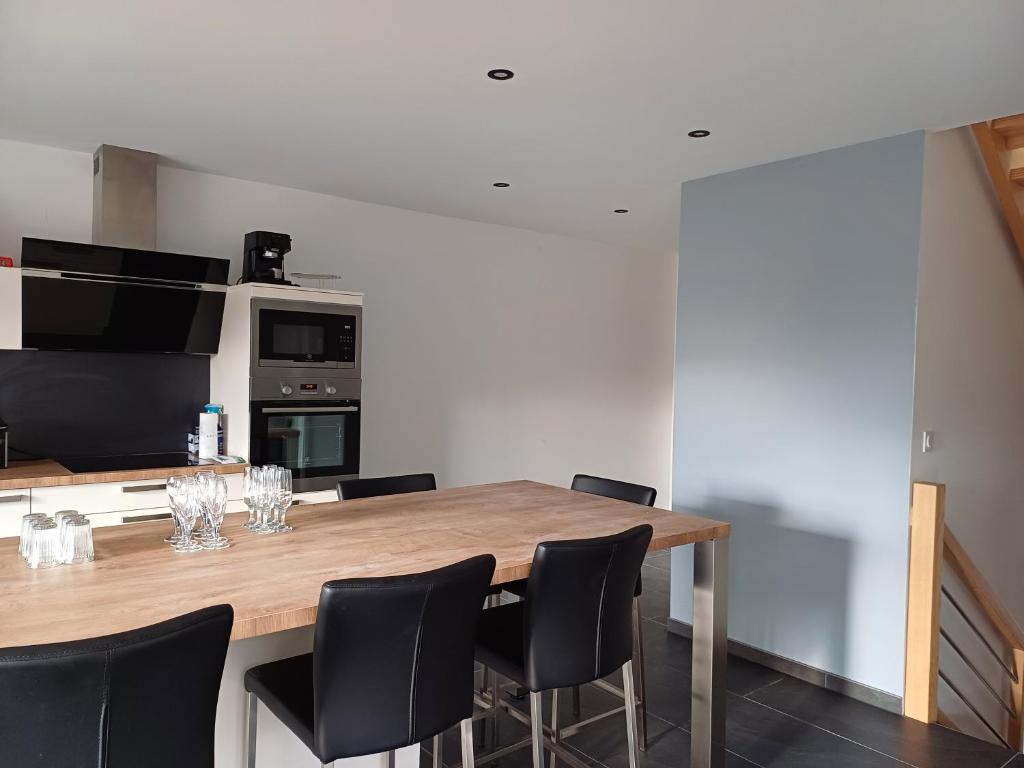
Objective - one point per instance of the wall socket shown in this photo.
(927, 441)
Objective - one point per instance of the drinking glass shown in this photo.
(76, 541)
(44, 549)
(217, 498)
(173, 488)
(204, 482)
(185, 505)
(284, 498)
(265, 499)
(26, 531)
(250, 481)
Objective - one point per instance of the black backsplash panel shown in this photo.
(96, 404)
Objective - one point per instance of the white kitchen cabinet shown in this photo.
(13, 504)
(103, 519)
(10, 308)
(316, 497)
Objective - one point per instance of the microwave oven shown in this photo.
(309, 335)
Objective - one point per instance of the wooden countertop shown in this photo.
(46, 473)
(274, 581)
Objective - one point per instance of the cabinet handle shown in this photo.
(143, 518)
(13, 499)
(143, 488)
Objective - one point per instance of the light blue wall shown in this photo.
(794, 398)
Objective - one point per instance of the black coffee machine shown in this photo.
(264, 257)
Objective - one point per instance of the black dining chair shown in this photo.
(363, 487)
(573, 628)
(392, 665)
(637, 494)
(144, 697)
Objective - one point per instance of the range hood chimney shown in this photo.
(124, 198)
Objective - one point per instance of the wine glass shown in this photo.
(265, 500)
(172, 484)
(284, 498)
(185, 504)
(216, 498)
(204, 483)
(250, 482)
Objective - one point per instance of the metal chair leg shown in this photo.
(631, 734)
(391, 758)
(641, 676)
(554, 726)
(495, 697)
(466, 727)
(436, 749)
(250, 729)
(537, 728)
(576, 701)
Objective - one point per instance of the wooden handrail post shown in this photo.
(924, 590)
(1014, 735)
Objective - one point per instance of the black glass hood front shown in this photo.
(127, 304)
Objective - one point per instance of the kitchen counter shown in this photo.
(47, 473)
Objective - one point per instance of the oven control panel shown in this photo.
(303, 388)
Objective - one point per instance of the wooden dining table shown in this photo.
(273, 581)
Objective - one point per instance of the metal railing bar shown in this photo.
(977, 673)
(995, 654)
(977, 714)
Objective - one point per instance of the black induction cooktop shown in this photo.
(128, 461)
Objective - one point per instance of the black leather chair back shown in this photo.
(393, 657)
(146, 697)
(579, 602)
(385, 486)
(614, 489)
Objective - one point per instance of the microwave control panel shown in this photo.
(347, 341)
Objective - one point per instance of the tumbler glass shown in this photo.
(44, 546)
(76, 541)
(26, 531)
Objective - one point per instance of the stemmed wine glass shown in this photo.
(215, 501)
(204, 490)
(250, 483)
(181, 491)
(283, 499)
(266, 499)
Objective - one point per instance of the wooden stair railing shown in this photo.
(1000, 143)
(932, 545)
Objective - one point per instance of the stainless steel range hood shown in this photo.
(124, 197)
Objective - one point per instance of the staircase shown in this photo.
(1001, 142)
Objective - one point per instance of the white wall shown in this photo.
(969, 382)
(794, 379)
(491, 353)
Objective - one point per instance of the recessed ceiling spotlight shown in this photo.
(621, 210)
(699, 134)
(502, 184)
(501, 74)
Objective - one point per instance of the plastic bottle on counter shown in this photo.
(211, 433)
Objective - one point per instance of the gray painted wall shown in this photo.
(794, 398)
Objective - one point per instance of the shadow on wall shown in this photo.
(795, 583)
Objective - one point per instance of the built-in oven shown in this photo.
(309, 425)
(308, 335)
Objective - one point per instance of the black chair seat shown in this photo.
(286, 687)
(499, 641)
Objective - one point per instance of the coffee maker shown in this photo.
(264, 257)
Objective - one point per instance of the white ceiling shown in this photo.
(387, 100)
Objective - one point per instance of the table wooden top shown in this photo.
(47, 473)
(273, 582)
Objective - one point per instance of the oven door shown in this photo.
(318, 441)
(306, 335)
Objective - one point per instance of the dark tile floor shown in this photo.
(774, 721)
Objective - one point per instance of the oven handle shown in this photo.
(322, 409)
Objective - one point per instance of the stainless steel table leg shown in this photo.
(710, 616)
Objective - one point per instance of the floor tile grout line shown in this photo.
(833, 733)
(748, 694)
